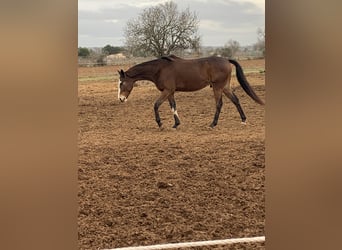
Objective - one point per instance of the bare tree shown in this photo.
(234, 46)
(161, 30)
(260, 45)
(229, 49)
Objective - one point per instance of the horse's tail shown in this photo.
(244, 83)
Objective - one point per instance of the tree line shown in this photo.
(162, 30)
(106, 50)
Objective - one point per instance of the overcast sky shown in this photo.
(101, 22)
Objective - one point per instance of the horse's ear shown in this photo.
(122, 73)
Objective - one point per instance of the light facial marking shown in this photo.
(123, 98)
(119, 89)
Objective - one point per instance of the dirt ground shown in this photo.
(142, 186)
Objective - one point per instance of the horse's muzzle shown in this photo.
(123, 98)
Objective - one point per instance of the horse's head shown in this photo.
(125, 86)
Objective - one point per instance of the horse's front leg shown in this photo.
(174, 110)
(164, 95)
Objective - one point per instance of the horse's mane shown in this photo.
(141, 68)
(137, 69)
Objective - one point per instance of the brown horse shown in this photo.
(171, 74)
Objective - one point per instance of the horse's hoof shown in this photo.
(244, 123)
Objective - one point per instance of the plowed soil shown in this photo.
(142, 186)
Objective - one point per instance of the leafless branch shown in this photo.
(162, 29)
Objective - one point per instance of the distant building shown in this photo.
(115, 57)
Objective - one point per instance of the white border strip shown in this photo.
(195, 244)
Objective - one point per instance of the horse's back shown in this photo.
(217, 62)
(195, 74)
(216, 68)
(212, 63)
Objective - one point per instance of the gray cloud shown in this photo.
(102, 22)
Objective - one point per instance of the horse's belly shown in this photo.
(190, 86)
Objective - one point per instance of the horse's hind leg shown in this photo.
(218, 99)
(236, 102)
(174, 110)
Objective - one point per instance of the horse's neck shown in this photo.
(144, 71)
